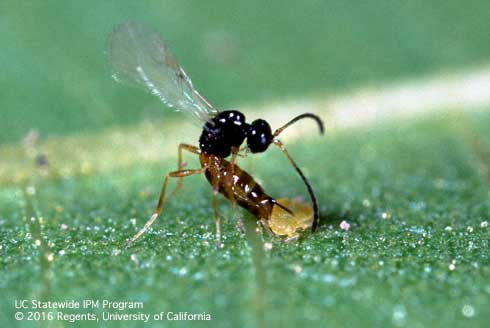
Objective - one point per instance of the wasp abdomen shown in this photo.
(246, 191)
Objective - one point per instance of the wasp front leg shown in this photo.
(176, 174)
(180, 164)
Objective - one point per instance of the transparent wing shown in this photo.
(138, 56)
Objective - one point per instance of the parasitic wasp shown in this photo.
(139, 56)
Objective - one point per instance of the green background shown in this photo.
(415, 193)
(55, 75)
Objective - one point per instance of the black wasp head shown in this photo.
(224, 131)
(259, 136)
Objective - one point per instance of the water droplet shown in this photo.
(198, 276)
(468, 311)
(399, 315)
(328, 278)
(385, 216)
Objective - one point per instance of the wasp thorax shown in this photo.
(259, 136)
(226, 130)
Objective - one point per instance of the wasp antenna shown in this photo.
(316, 212)
(300, 117)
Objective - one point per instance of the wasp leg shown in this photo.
(229, 182)
(161, 199)
(215, 191)
(216, 219)
(265, 226)
(181, 164)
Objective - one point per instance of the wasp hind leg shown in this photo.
(215, 191)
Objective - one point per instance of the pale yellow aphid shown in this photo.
(290, 226)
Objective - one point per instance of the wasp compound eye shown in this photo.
(259, 136)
